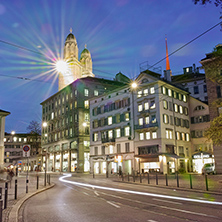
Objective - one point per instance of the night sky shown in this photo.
(120, 34)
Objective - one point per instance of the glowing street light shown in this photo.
(134, 85)
(13, 132)
(44, 124)
(84, 124)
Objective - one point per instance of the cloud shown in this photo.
(187, 50)
(148, 50)
(2, 9)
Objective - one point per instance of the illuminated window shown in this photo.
(14, 139)
(152, 90)
(20, 139)
(175, 107)
(96, 92)
(140, 121)
(153, 119)
(169, 92)
(127, 117)
(141, 136)
(25, 139)
(139, 93)
(86, 104)
(164, 90)
(152, 104)
(148, 135)
(187, 137)
(110, 120)
(110, 134)
(169, 134)
(110, 149)
(127, 131)
(118, 133)
(154, 135)
(86, 92)
(75, 104)
(165, 104)
(181, 109)
(180, 96)
(178, 135)
(145, 92)
(147, 119)
(140, 107)
(146, 105)
(67, 97)
(52, 115)
(183, 136)
(165, 118)
(95, 136)
(185, 98)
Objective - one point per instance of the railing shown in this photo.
(108, 140)
(138, 127)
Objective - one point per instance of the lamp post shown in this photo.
(44, 125)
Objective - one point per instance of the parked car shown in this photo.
(209, 168)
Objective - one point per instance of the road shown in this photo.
(70, 202)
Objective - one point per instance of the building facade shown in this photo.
(3, 114)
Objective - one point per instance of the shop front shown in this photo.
(57, 162)
(201, 158)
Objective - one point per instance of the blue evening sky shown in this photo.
(120, 34)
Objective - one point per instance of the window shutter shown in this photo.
(93, 137)
(122, 131)
(114, 119)
(122, 117)
(192, 120)
(99, 123)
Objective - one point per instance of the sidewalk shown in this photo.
(10, 214)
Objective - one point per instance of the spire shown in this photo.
(85, 46)
(70, 30)
(167, 56)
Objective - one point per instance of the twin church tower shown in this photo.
(77, 68)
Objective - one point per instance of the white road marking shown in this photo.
(111, 203)
(167, 201)
(152, 220)
(86, 193)
(138, 192)
(96, 193)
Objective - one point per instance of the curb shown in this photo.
(13, 215)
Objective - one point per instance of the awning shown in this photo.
(202, 154)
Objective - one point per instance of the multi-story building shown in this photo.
(201, 147)
(3, 114)
(193, 81)
(143, 129)
(213, 66)
(14, 150)
(65, 139)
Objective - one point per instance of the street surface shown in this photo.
(121, 202)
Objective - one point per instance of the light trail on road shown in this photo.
(136, 192)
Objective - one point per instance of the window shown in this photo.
(218, 92)
(179, 96)
(110, 134)
(118, 133)
(187, 137)
(174, 95)
(139, 93)
(96, 92)
(111, 149)
(127, 147)
(165, 104)
(183, 136)
(152, 104)
(181, 109)
(86, 116)
(147, 120)
(148, 135)
(185, 110)
(154, 135)
(169, 134)
(118, 148)
(170, 106)
(175, 107)
(145, 92)
(185, 98)
(86, 92)
(127, 131)
(178, 135)
(75, 104)
(140, 121)
(103, 150)
(205, 88)
(196, 90)
(152, 90)
(141, 136)
(146, 105)
(153, 119)
(95, 136)
(127, 115)
(86, 104)
(118, 118)
(140, 107)
(110, 120)
(165, 118)
(169, 92)
(163, 90)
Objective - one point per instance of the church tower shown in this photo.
(76, 69)
(167, 72)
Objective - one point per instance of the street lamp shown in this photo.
(44, 124)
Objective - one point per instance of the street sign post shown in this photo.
(26, 150)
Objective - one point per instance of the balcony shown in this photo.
(109, 141)
(146, 126)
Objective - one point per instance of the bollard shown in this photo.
(49, 179)
(134, 177)
(37, 183)
(27, 188)
(177, 179)
(206, 182)
(191, 186)
(156, 178)
(16, 188)
(1, 205)
(45, 179)
(128, 177)
(140, 178)
(166, 180)
(148, 177)
(93, 175)
(122, 177)
(6, 195)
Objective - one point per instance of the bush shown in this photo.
(181, 171)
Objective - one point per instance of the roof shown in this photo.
(188, 77)
(70, 37)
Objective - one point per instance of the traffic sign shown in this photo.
(26, 150)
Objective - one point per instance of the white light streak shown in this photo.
(137, 192)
